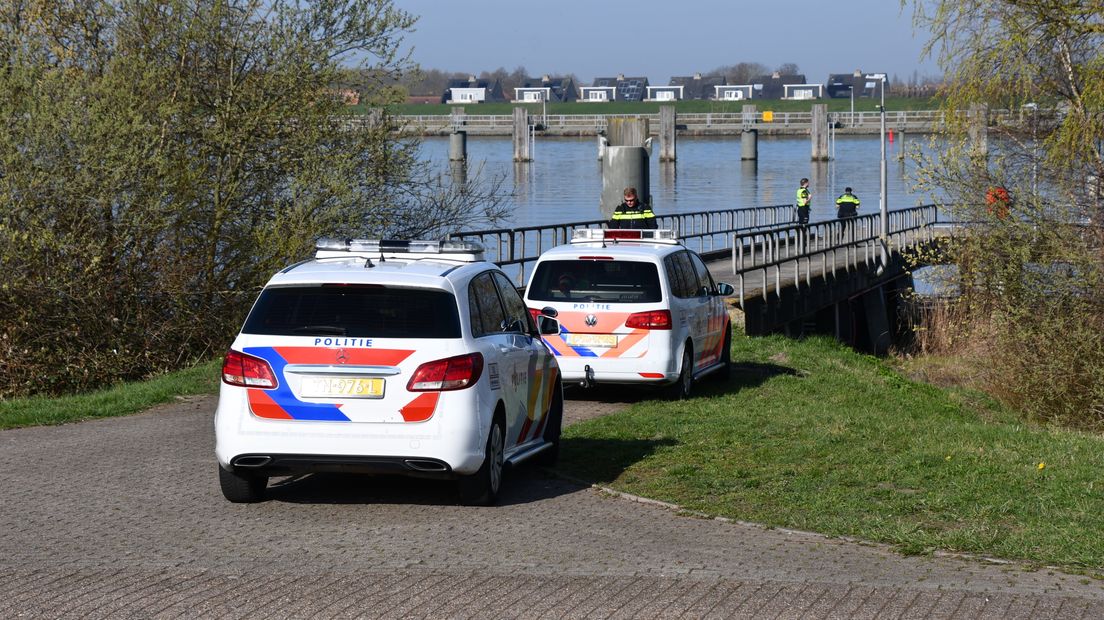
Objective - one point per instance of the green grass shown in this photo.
(119, 400)
(812, 436)
(620, 107)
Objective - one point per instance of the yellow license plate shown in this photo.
(345, 387)
(592, 340)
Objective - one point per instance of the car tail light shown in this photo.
(654, 319)
(247, 371)
(454, 373)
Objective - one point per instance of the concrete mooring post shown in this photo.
(667, 131)
(456, 116)
(749, 144)
(458, 145)
(625, 163)
(522, 143)
(819, 132)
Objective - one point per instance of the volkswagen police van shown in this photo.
(635, 307)
(409, 357)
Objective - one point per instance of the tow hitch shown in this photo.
(588, 377)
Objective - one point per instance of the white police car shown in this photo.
(635, 307)
(410, 357)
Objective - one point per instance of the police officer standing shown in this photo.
(631, 214)
(847, 209)
(803, 200)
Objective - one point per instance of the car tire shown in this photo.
(553, 428)
(725, 373)
(481, 488)
(680, 390)
(242, 488)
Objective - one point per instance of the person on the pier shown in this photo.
(631, 213)
(847, 209)
(804, 197)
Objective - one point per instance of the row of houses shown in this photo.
(697, 87)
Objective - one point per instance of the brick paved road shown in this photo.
(123, 518)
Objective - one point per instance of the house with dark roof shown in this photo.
(699, 87)
(473, 90)
(623, 89)
(774, 86)
(545, 88)
(867, 85)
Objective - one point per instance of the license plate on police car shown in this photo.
(592, 340)
(346, 387)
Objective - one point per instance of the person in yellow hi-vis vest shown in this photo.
(631, 213)
(847, 209)
(804, 197)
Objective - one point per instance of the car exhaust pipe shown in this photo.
(429, 466)
(252, 462)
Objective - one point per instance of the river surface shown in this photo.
(564, 181)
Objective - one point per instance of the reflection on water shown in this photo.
(564, 181)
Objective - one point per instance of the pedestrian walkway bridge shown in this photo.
(834, 276)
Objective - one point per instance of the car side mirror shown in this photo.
(547, 325)
(550, 311)
(724, 289)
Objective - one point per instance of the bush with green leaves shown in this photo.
(1031, 259)
(160, 160)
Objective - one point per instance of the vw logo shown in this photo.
(341, 358)
(591, 320)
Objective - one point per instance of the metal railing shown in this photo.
(902, 119)
(516, 249)
(794, 249)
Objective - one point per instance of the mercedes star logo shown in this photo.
(341, 358)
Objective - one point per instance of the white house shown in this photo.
(597, 93)
(802, 91)
(665, 93)
(731, 92)
(533, 94)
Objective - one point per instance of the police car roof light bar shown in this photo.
(586, 235)
(399, 246)
(473, 250)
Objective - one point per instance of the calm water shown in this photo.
(564, 181)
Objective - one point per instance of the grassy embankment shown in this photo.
(810, 435)
(807, 435)
(893, 104)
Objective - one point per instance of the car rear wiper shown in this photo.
(331, 330)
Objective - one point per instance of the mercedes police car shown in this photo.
(410, 357)
(635, 307)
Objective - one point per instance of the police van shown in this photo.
(408, 357)
(634, 307)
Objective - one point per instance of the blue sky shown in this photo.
(663, 38)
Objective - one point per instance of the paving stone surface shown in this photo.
(123, 518)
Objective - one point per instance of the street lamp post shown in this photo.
(884, 207)
(852, 89)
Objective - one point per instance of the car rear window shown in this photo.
(363, 311)
(607, 281)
